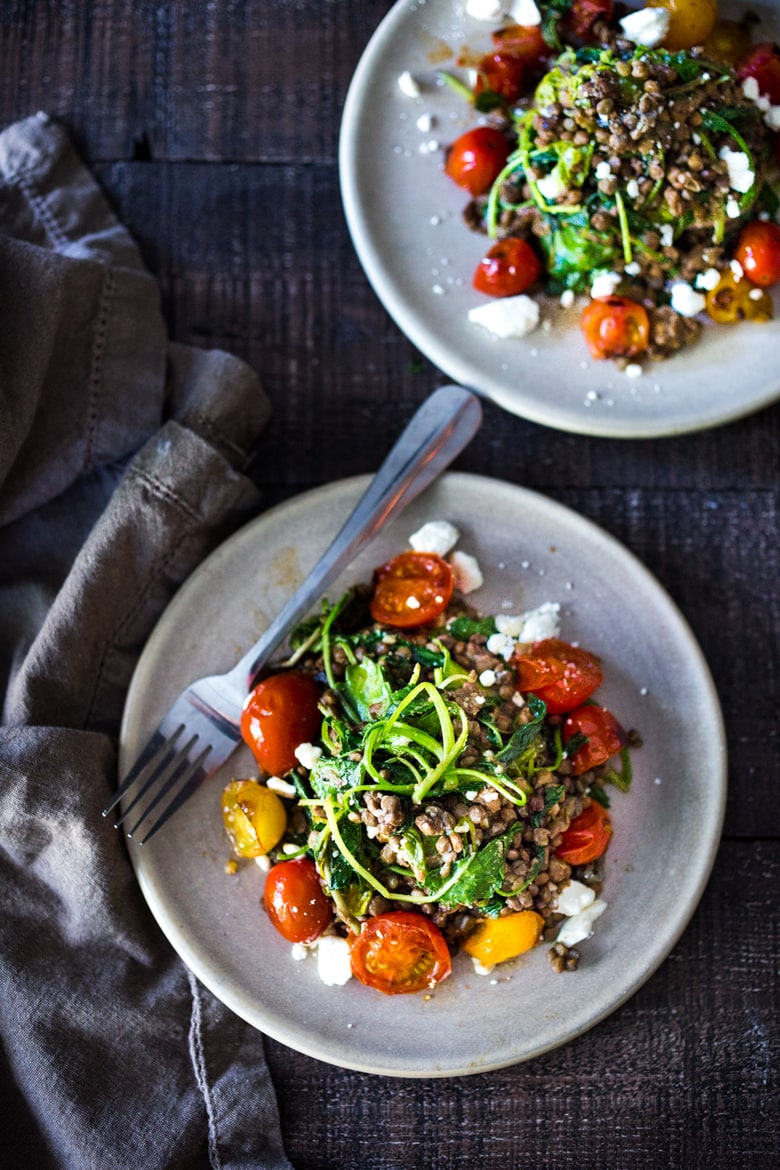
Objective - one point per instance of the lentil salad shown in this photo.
(630, 174)
(454, 796)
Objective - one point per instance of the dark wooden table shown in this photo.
(213, 128)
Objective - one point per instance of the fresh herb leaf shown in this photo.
(368, 689)
(478, 876)
(464, 628)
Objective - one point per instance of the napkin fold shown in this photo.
(122, 463)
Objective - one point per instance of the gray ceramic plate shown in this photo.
(666, 830)
(405, 218)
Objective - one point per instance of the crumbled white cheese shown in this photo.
(263, 862)
(667, 235)
(425, 123)
(437, 536)
(507, 316)
(685, 300)
(482, 968)
(574, 898)
(632, 189)
(733, 209)
(633, 370)
(308, 754)
(502, 645)
(580, 926)
(541, 623)
(603, 170)
(567, 298)
(741, 175)
(283, 787)
(408, 85)
(299, 951)
(648, 26)
(634, 268)
(552, 186)
(468, 575)
(487, 678)
(604, 284)
(485, 9)
(333, 962)
(708, 280)
(752, 92)
(524, 12)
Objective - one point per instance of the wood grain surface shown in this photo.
(213, 128)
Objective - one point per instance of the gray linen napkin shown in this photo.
(121, 466)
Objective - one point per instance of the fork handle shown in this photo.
(436, 434)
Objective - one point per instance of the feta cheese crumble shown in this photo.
(507, 316)
(407, 85)
(685, 300)
(741, 175)
(307, 754)
(333, 964)
(437, 536)
(580, 926)
(648, 26)
(604, 284)
(574, 898)
(468, 575)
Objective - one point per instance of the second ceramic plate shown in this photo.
(666, 829)
(406, 221)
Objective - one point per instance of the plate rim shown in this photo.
(411, 324)
(165, 915)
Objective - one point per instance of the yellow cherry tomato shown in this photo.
(692, 21)
(728, 42)
(494, 940)
(254, 817)
(735, 300)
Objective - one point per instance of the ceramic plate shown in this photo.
(405, 218)
(666, 830)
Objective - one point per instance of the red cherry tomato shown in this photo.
(578, 23)
(615, 327)
(522, 40)
(758, 251)
(295, 901)
(400, 952)
(604, 734)
(509, 268)
(563, 676)
(411, 589)
(763, 63)
(587, 836)
(501, 73)
(278, 714)
(476, 159)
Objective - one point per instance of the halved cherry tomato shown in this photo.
(295, 901)
(735, 300)
(254, 817)
(615, 327)
(604, 734)
(578, 23)
(475, 160)
(587, 836)
(763, 63)
(522, 40)
(280, 713)
(411, 589)
(494, 940)
(509, 268)
(758, 251)
(563, 676)
(691, 23)
(400, 952)
(501, 73)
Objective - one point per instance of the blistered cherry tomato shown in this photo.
(604, 735)
(475, 160)
(587, 836)
(494, 940)
(400, 952)
(691, 22)
(563, 676)
(615, 327)
(500, 73)
(522, 40)
(509, 268)
(295, 901)
(578, 23)
(758, 251)
(729, 42)
(763, 63)
(280, 713)
(411, 589)
(254, 817)
(735, 300)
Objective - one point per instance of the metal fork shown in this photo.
(202, 728)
